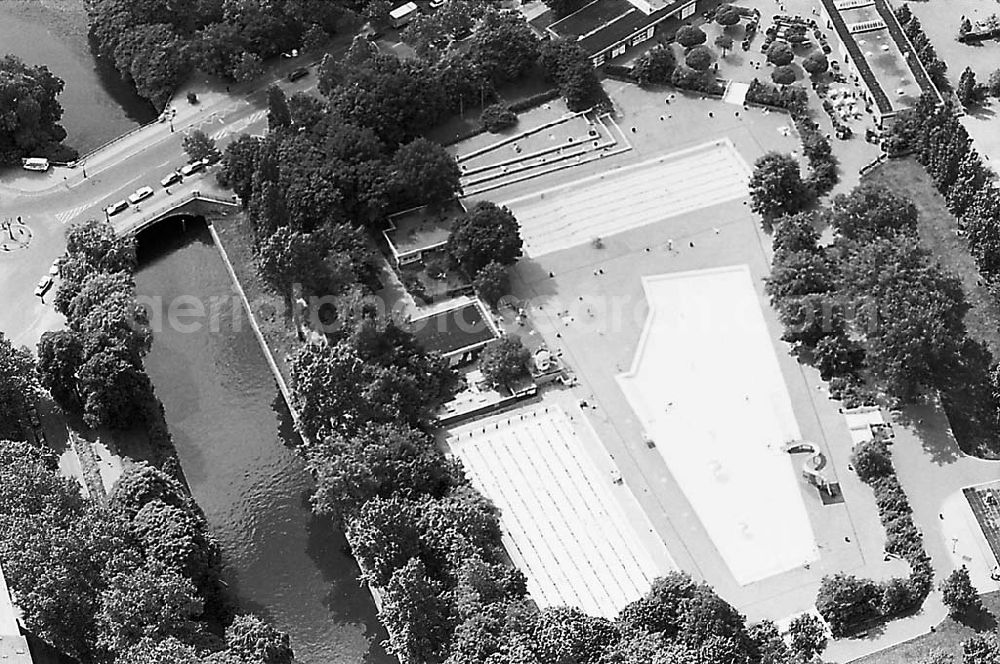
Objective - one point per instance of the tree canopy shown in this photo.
(486, 234)
(29, 111)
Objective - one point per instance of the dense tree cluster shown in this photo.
(156, 45)
(29, 112)
(872, 308)
(655, 66)
(135, 582)
(19, 388)
(569, 67)
(934, 65)
(95, 365)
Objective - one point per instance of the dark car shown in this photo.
(297, 74)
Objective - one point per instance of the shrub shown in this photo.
(690, 36)
(871, 461)
(686, 78)
(656, 66)
(959, 595)
(845, 602)
(497, 117)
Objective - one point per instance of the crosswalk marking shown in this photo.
(71, 214)
(239, 125)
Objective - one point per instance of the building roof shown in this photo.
(602, 24)
(403, 10)
(883, 56)
(422, 228)
(458, 329)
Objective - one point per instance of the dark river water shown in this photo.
(97, 104)
(234, 437)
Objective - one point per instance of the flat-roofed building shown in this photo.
(605, 29)
(875, 49)
(415, 232)
(458, 332)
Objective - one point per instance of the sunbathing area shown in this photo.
(706, 385)
(569, 523)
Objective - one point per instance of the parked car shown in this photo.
(35, 164)
(173, 178)
(43, 286)
(115, 208)
(193, 167)
(140, 194)
(296, 74)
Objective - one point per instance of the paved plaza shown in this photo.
(578, 535)
(631, 196)
(707, 387)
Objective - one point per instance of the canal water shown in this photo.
(235, 440)
(98, 105)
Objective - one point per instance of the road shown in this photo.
(48, 203)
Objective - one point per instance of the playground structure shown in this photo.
(812, 469)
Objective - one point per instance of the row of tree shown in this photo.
(134, 582)
(935, 66)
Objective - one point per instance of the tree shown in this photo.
(568, 66)
(491, 283)
(315, 38)
(699, 58)
(424, 173)
(379, 461)
(150, 602)
(497, 117)
(384, 535)
(723, 42)
(690, 36)
(486, 234)
(776, 186)
(504, 361)
(727, 16)
(565, 634)
(870, 211)
(959, 595)
(254, 640)
(140, 484)
(426, 35)
(503, 45)
(113, 388)
(415, 614)
(766, 641)
(239, 163)
(783, 75)
(177, 538)
(289, 257)
(30, 109)
(655, 67)
(198, 146)
(816, 63)
(19, 388)
(60, 355)
(780, 54)
(846, 601)
(993, 86)
(981, 649)
(807, 635)
(278, 115)
(248, 68)
(969, 91)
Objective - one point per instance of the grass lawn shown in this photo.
(948, 637)
(968, 405)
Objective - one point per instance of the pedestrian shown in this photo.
(633, 130)
(692, 244)
(847, 539)
(710, 114)
(941, 516)
(670, 245)
(600, 271)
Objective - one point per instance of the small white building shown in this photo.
(403, 14)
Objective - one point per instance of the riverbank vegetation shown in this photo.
(133, 582)
(137, 579)
(30, 112)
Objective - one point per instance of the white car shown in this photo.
(141, 194)
(115, 208)
(193, 167)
